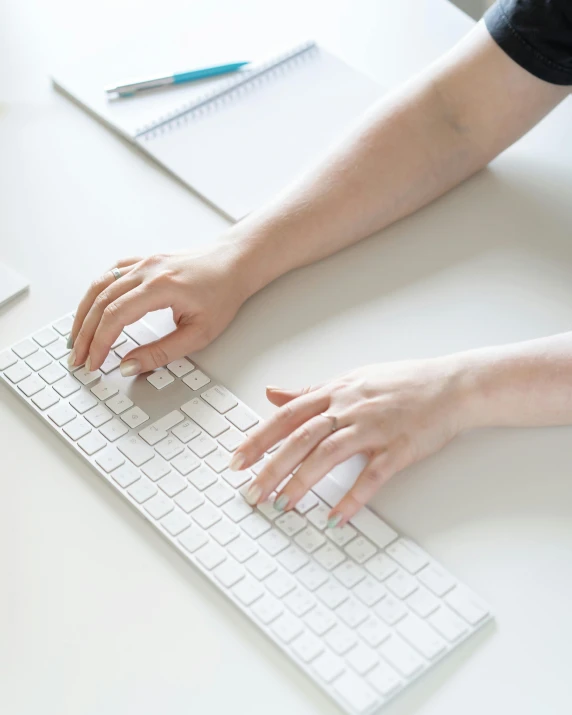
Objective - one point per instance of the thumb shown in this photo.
(279, 396)
(181, 341)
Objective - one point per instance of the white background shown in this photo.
(97, 614)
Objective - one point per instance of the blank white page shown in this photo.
(242, 150)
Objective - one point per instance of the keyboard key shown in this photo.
(52, 373)
(83, 401)
(261, 566)
(25, 348)
(98, 415)
(189, 499)
(401, 656)
(219, 493)
(119, 403)
(242, 548)
(349, 574)
(45, 337)
(390, 610)
(384, 679)
(186, 431)
(61, 415)
(448, 624)
(58, 349)
(86, 377)
(242, 417)
(67, 386)
(155, 468)
(175, 522)
(291, 523)
(160, 378)
(37, 361)
(219, 398)
(46, 398)
(193, 538)
(307, 502)
(421, 636)
(224, 532)
(181, 367)
(235, 479)
(466, 605)
(407, 555)
(77, 428)
(140, 333)
(312, 576)
(108, 459)
(248, 591)
(436, 579)
(373, 528)
(332, 594)
(202, 445)
(113, 430)
(104, 390)
(255, 525)
(352, 612)
(381, 566)
(373, 631)
(92, 443)
(135, 450)
(340, 639)
(158, 430)
(237, 509)
(204, 415)
(210, 555)
(218, 460)
(362, 658)
(126, 475)
(318, 516)
(196, 380)
(307, 647)
(320, 620)
(423, 602)
(110, 364)
(286, 627)
(64, 325)
(360, 549)
(329, 556)
(266, 507)
(202, 477)
(126, 347)
(206, 515)
(328, 666)
(7, 359)
(299, 602)
(185, 463)
(31, 385)
(142, 490)
(267, 609)
(401, 584)
(369, 591)
(259, 466)
(172, 484)
(169, 447)
(120, 340)
(273, 542)
(231, 439)
(18, 372)
(280, 584)
(134, 417)
(293, 558)
(229, 573)
(355, 692)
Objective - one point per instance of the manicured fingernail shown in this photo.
(281, 503)
(128, 368)
(334, 520)
(71, 358)
(272, 388)
(253, 494)
(236, 462)
(69, 344)
(88, 364)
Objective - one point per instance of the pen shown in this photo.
(129, 88)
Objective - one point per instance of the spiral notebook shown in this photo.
(246, 138)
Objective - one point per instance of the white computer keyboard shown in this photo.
(361, 610)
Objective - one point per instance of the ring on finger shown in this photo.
(116, 273)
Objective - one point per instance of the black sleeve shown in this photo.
(537, 34)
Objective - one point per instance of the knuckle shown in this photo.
(101, 300)
(373, 475)
(110, 312)
(302, 435)
(330, 447)
(285, 414)
(157, 355)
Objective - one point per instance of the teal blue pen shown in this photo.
(128, 89)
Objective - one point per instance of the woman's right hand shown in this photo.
(204, 290)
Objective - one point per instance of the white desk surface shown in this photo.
(97, 614)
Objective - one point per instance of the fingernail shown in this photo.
(128, 368)
(236, 462)
(88, 364)
(69, 344)
(334, 520)
(253, 494)
(71, 358)
(281, 503)
(272, 388)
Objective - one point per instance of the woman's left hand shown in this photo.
(394, 413)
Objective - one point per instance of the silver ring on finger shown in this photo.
(116, 273)
(333, 420)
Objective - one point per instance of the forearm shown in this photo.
(524, 384)
(412, 147)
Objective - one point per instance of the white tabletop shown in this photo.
(97, 613)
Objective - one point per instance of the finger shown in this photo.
(279, 396)
(376, 473)
(181, 341)
(125, 310)
(292, 452)
(94, 290)
(335, 448)
(82, 343)
(284, 421)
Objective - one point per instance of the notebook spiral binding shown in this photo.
(235, 87)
